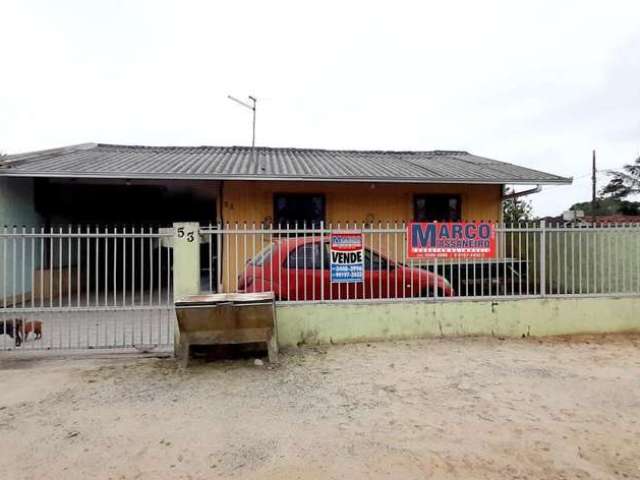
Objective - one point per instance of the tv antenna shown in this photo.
(251, 107)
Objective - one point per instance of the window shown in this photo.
(436, 208)
(373, 261)
(307, 256)
(298, 209)
(262, 257)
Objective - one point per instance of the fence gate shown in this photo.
(86, 288)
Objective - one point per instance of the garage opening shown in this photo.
(126, 205)
(141, 203)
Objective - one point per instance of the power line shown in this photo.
(602, 170)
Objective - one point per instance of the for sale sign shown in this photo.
(451, 240)
(347, 257)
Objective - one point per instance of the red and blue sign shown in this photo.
(347, 257)
(451, 240)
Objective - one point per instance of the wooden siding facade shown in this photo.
(252, 202)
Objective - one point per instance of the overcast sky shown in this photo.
(534, 83)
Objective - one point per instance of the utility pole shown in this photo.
(251, 107)
(253, 133)
(593, 189)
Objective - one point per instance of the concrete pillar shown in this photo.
(186, 268)
(186, 259)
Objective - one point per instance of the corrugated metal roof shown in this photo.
(206, 162)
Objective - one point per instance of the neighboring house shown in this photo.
(100, 184)
(568, 218)
(617, 218)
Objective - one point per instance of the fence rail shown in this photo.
(80, 267)
(531, 260)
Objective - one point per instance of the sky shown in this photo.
(537, 83)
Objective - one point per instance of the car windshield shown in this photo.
(307, 256)
(262, 257)
(374, 261)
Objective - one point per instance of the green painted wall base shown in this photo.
(354, 322)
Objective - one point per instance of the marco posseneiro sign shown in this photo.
(347, 257)
(451, 240)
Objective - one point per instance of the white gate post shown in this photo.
(543, 258)
(186, 268)
(186, 259)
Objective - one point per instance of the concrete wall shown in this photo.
(602, 261)
(16, 202)
(16, 209)
(589, 261)
(353, 322)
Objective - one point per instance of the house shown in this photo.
(118, 184)
(143, 186)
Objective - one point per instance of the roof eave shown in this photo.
(274, 178)
(18, 158)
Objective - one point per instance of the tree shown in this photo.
(624, 182)
(516, 209)
(608, 206)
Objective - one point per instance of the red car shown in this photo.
(298, 269)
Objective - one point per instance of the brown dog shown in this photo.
(34, 326)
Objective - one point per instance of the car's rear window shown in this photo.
(262, 256)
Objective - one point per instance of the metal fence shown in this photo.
(531, 260)
(80, 288)
(84, 288)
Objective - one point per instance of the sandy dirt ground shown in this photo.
(450, 408)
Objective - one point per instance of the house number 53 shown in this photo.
(189, 235)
